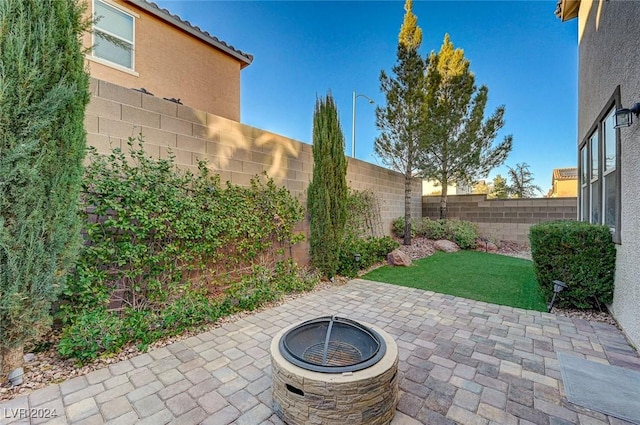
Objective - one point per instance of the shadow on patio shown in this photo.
(461, 361)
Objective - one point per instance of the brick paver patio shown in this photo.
(461, 361)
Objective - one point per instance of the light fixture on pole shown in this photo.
(353, 122)
(624, 117)
(558, 286)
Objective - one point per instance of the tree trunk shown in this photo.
(443, 199)
(407, 209)
(10, 359)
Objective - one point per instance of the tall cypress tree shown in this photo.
(327, 192)
(43, 96)
(401, 121)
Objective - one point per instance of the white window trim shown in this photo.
(106, 62)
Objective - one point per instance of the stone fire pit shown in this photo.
(334, 371)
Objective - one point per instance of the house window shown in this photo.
(594, 201)
(584, 188)
(600, 171)
(113, 34)
(609, 174)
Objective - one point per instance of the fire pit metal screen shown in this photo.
(332, 371)
(333, 345)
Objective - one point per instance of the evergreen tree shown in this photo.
(43, 95)
(522, 185)
(327, 193)
(499, 189)
(401, 121)
(459, 140)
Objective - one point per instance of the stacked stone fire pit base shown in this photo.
(364, 397)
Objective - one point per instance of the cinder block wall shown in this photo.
(502, 219)
(235, 151)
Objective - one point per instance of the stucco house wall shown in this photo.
(609, 55)
(173, 63)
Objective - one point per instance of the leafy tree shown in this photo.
(481, 187)
(43, 95)
(327, 193)
(522, 182)
(499, 189)
(459, 147)
(401, 121)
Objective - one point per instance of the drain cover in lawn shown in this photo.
(612, 390)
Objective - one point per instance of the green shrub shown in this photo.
(151, 228)
(433, 229)
(580, 254)
(165, 242)
(357, 254)
(397, 227)
(95, 332)
(464, 233)
(91, 333)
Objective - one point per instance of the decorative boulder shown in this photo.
(446, 246)
(486, 246)
(398, 258)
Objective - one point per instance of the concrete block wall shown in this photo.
(235, 151)
(502, 219)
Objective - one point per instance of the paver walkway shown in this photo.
(461, 361)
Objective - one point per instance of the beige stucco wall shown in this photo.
(173, 64)
(565, 189)
(609, 55)
(235, 151)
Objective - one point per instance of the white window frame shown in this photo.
(96, 26)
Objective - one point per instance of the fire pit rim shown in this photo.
(365, 328)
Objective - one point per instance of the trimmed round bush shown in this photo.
(580, 254)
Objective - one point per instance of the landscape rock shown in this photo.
(398, 258)
(446, 246)
(486, 246)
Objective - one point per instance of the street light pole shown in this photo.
(353, 121)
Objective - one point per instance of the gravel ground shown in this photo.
(47, 367)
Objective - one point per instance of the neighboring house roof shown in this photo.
(565, 174)
(567, 9)
(194, 30)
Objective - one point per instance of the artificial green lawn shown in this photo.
(475, 275)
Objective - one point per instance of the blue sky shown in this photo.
(302, 49)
